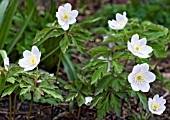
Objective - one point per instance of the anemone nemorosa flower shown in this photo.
(88, 100)
(157, 105)
(140, 77)
(66, 16)
(119, 23)
(138, 47)
(31, 59)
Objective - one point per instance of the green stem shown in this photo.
(79, 111)
(125, 33)
(10, 107)
(148, 116)
(15, 104)
(58, 66)
(29, 113)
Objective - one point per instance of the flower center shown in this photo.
(32, 59)
(66, 16)
(155, 106)
(121, 23)
(140, 77)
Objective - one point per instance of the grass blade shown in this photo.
(7, 22)
(3, 7)
(19, 34)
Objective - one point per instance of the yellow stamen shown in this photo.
(66, 16)
(32, 59)
(155, 106)
(140, 77)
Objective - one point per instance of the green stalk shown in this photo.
(59, 62)
(125, 33)
(29, 113)
(10, 107)
(79, 111)
(148, 116)
(15, 103)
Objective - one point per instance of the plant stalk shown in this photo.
(59, 62)
(79, 111)
(10, 107)
(29, 113)
(15, 104)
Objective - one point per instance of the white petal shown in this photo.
(23, 63)
(156, 97)
(124, 14)
(144, 67)
(130, 47)
(162, 101)
(141, 55)
(144, 87)
(112, 24)
(111, 45)
(65, 26)
(61, 9)
(71, 21)
(108, 68)
(67, 6)
(150, 77)
(147, 49)
(136, 69)
(143, 41)
(88, 100)
(102, 58)
(160, 110)
(131, 78)
(135, 87)
(74, 13)
(6, 61)
(61, 22)
(134, 39)
(35, 50)
(26, 53)
(119, 17)
(30, 67)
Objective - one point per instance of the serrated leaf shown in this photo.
(64, 43)
(96, 75)
(11, 80)
(80, 99)
(53, 93)
(116, 104)
(25, 90)
(9, 90)
(71, 96)
(143, 100)
(118, 67)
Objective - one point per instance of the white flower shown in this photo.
(138, 47)
(31, 59)
(107, 37)
(66, 16)
(106, 60)
(156, 105)
(140, 77)
(119, 23)
(6, 63)
(88, 100)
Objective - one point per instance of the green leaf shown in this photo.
(80, 99)
(95, 100)
(11, 80)
(70, 87)
(71, 96)
(2, 81)
(118, 67)
(9, 90)
(21, 31)
(96, 75)
(64, 43)
(25, 90)
(116, 85)
(3, 54)
(69, 67)
(53, 93)
(143, 100)
(3, 6)
(7, 22)
(115, 103)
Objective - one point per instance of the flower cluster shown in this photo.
(140, 77)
